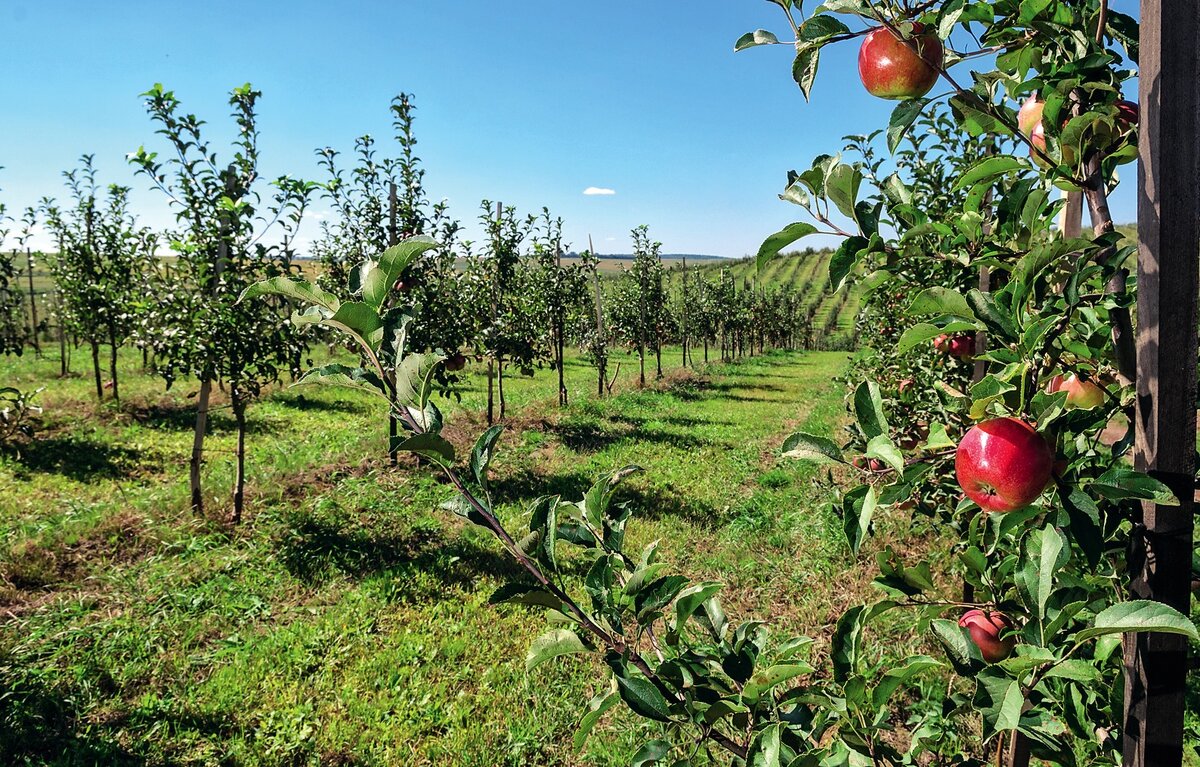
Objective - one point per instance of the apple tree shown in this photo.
(224, 216)
(98, 269)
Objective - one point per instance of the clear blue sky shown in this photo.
(529, 102)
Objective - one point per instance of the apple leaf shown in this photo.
(821, 27)
(858, 507)
(987, 169)
(804, 68)
(843, 259)
(1120, 483)
(780, 240)
(551, 645)
(481, 455)
(1045, 552)
(868, 406)
(428, 445)
(998, 697)
(597, 707)
(342, 375)
(651, 753)
(762, 681)
(752, 39)
(300, 290)
(841, 187)
(1139, 615)
(881, 447)
(810, 447)
(898, 676)
(640, 694)
(902, 119)
(939, 300)
(765, 749)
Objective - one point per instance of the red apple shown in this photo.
(456, 362)
(891, 68)
(1127, 114)
(961, 346)
(1082, 394)
(1003, 464)
(985, 629)
(403, 286)
(1030, 115)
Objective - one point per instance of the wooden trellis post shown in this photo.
(1168, 251)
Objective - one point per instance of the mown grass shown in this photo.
(346, 621)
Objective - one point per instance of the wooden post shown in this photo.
(393, 426)
(37, 347)
(491, 399)
(683, 331)
(1168, 246)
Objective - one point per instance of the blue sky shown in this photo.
(529, 102)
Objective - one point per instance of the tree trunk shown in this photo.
(37, 347)
(239, 472)
(96, 370)
(198, 445)
(500, 386)
(112, 365)
(491, 418)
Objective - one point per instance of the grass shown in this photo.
(346, 621)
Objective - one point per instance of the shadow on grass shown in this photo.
(171, 416)
(314, 549)
(306, 405)
(590, 436)
(42, 725)
(77, 458)
(652, 503)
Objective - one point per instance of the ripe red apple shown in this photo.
(1030, 115)
(1127, 114)
(961, 346)
(1084, 395)
(402, 286)
(456, 362)
(891, 68)
(985, 629)
(1003, 464)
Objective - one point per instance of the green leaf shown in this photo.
(764, 680)
(414, 380)
(640, 694)
(992, 315)
(804, 67)
(651, 753)
(543, 520)
(691, 599)
(1045, 552)
(300, 290)
(765, 750)
(428, 445)
(342, 375)
(842, 262)
(821, 27)
(938, 300)
(896, 677)
(975, 122)
(857, 510)
(938, 438)
(780, 240)
(551, 645)
(757, 37)
(1120, 483)
(989, 168)
(881, 447)
(960, 650)
(902, 119)
(1140, 615)
(378, 281)
(481, 455)
(810, 447)
(868, 407)
(657, 595)
(597, 707)
(525, 594)
(360, 320)
(1000, 700)
(841, 187)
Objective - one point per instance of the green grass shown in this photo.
(346, 621)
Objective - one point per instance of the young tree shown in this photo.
(223, 219)
(12, 302)
(102, 255)
(563, 291)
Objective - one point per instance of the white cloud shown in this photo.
(595, 190)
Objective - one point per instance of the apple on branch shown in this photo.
(988, 630)
(1081, 394)
(894, 68)
(1003, 464)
